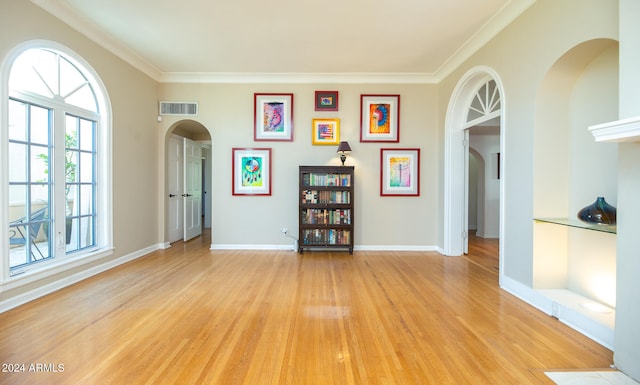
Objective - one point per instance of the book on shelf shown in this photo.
(326, 196)
(326, 216)
(324, 179)
(326, 237)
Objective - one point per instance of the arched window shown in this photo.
(57, 153)
(485, 104)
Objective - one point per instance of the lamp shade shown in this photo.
(344, 147)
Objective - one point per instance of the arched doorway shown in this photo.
(477, 99)
(187, 180)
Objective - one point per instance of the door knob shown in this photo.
(172, 195)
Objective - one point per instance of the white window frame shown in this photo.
(104, 225)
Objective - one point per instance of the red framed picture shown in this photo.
(326, 100)
(273, 117)
(251, 171)
(400, 171)
(380, 118)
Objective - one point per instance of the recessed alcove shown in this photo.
(574, 266)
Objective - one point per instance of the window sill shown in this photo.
(54, 268)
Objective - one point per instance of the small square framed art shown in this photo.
(326, 100)
(325, 131)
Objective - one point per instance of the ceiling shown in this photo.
(290, 40)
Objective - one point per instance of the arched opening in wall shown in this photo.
(188, 173)
(475, 112)
(571, 263)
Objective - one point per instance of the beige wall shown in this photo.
(521, 55)
(133, 99)
(227, 111)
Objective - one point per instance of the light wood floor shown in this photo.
(188, 315)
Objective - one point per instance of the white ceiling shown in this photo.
(252, 40)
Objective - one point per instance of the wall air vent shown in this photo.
(179, 108)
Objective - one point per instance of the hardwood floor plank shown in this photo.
(190, 315)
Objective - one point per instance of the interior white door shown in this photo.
(175, 167)
(192, 189)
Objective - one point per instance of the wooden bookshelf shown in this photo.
(325, 207)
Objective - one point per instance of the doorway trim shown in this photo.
(170, 130)
(455, 148)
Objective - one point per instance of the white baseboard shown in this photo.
(51, 287)
(290, 247)
(396, 248)
(565, 312)
(249, 247)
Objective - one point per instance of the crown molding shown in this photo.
(489, 30)
(300, 78)
(70, 17)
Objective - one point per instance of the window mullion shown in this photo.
(59, 182)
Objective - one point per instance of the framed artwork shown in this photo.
(380, 118)
(326, 131)
(326, 100)
(273, 117)
(400, 171)
(251, 171)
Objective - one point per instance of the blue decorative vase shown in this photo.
(599, 212)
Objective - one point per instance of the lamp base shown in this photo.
(343, 157)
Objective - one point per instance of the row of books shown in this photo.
(325, 196)
(324, 179)
(326, 236)
(327, 216)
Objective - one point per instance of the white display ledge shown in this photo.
(593, 319)
(625, 130)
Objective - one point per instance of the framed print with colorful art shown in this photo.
(400, 171)
(326, 100)
(380, 118)
(326, 131)
(273, 117)
(251, 171)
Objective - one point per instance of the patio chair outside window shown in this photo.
(18, 234)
